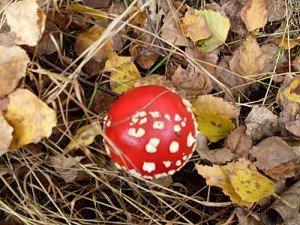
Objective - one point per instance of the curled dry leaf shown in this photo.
(5, 135)
(254, 14)
(192, 82)
(248, 60)
(239, 142)
(194, 25)
(276, 158)
(31, 118)
(13, 63)
(260, 123)
(65, 166)
(239, 180)
(26, 21)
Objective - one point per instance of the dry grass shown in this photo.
(31, 190)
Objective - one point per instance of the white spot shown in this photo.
(108, 123)
(184, 157)
(178, 163)
(171, 172)
(118, 166)
(151, 147)
(183, 124)
(136, 133)
(131, 123)
(135, 118)
(143, 120)
(190, 140)
(160, 175)
(167, 163)
(155, 114)
(187, 104)
(168, 117)
(177, 118)
(149, 166)
(177, 128)
(142, 114)
(159, 125)
(174, 147)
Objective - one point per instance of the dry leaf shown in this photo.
(239, 180)
(97, 14)
(275, 58)
(254, 14)
(239, 142)
(219, 26)
(13, 63)
(276, 158)
(153, 79)
(31, 118)
(171, 31)
(286, 43)
(65, 166)
(191, 82)
(7, 39)
(50, 40)
(26, 21)
(293, 127)
(276, 10)
(84, 136)
(296, 64)
(248, 60)
(247, 217)
(123, 73)
(217, 156)
(260, 123)
(194, 25)
(5, 135)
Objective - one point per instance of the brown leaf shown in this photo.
(293, 127)
(239, 142)
(153, 79)
(276, 158)
(271, 52)
(276, 10)
(254, 14)
(248, 60)
(50, 40)
(192, 82)
(260, 123)
(247, 217)
(286, 43)
(217, 156)
(296, 64)
(13, 63)
(5, 135)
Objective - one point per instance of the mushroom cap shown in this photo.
(153, 131)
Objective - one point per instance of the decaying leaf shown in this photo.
(123, 73)
(239, 180)
(13, 63)
(217, 156)
(192, 82)
(219, 26)
(26, 21)
(84, 136)
(276, 158)
(194, 25)
(31, 118)
(260, 123)
(5, 135)
(254, 14)
(64, 166)
(293, 127)
(239, 142)
(248, 60)
(153, 79)
(286, 43)
(276, 10)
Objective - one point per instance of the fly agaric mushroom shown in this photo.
(151, 130)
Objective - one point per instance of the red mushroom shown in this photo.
(153, 131)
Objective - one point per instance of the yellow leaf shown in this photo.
(97, 14)
(26, 21)
(194, 25)
(123, 73)
(31, 118)
(286, 43)
(254, 14)
(84, 136)
(292, 93)
(5, 135)
(239, 180)
(213, 126)
(219, 26)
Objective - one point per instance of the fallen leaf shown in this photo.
(276, 10)
(217, 156)
(296, 64)
(194, 25)
(192, 82)
(26, 21)
(171, 32)
(286, 43)
(123, 73)
(254, 14)
(239, 180)
(260, 123)
(84, 136)
(5, 135)
(97, 4)
(7, 39)
(292, 92)
(239, 142)
(50, 40)
(65, 166)
(139, 19)
(153, 79)
(293, 127)
(13, 63)
(219, 26)
(275, 58)
(276, 158)
(97, 14)
(248, 60)
(31, 118)
(247, 217)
